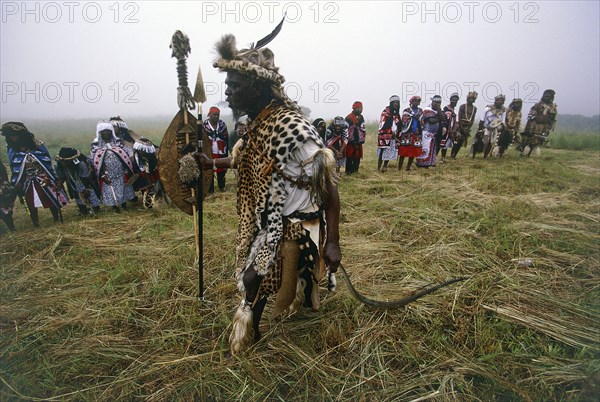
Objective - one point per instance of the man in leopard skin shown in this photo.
(287, 201)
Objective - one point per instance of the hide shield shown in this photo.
(179, 139)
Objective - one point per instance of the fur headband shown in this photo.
(67, 154)
(255, 62)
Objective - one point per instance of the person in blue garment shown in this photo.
(32, 173)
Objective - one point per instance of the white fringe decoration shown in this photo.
(242, 333)
(331, 281)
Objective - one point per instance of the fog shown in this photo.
(99, 59)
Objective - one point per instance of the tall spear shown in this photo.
(200, 98)
(181, 49)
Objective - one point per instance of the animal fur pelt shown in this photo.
(242, 333)
(324, 170)
(258, 62)
(188, 169)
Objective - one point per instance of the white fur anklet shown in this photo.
(331, 281)
(242, 333)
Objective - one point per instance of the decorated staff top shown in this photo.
(180, 45)
(181, 137)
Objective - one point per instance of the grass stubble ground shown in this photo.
(106, 308)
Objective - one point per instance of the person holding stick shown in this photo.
(288, 202)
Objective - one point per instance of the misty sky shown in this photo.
(99, 59)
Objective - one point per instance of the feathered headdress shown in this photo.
(257, 60)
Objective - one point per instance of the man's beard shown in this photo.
(237, 113)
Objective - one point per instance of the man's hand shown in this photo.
(332, 256)
(208, 163)
(205, 161)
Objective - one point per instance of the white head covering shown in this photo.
(339, 121)
(243, 119)
(115, 121)
(101, 126)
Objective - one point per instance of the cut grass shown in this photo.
(106, 308)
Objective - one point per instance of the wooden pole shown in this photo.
(199, 202)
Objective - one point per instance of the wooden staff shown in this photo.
(180, 45)
(200, 98)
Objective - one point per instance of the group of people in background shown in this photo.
(419, 135)
(32, 176)
(121, 163)
(422, 134)
(345, 137)
(221, 142)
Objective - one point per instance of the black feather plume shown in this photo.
(265, 41)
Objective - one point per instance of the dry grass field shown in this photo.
(106, 308)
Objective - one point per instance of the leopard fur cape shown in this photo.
(261, 154)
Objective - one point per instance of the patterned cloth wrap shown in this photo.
(32, 172)
(219, 139)
(357, 132)
(112, 159)
(411, 137)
